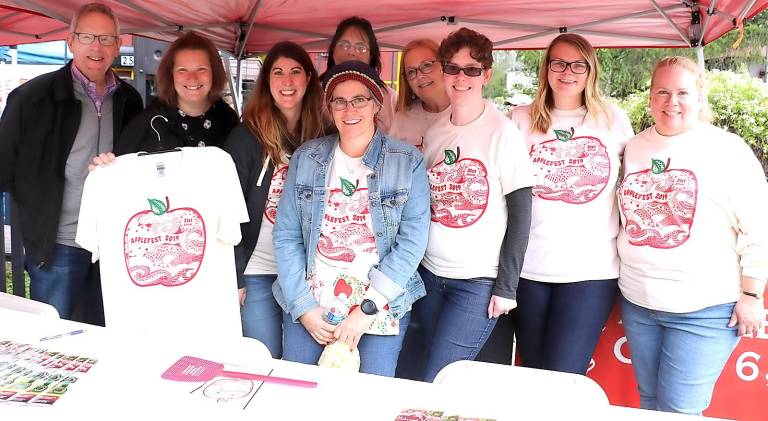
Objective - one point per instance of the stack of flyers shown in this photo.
(431, 415)
(31, 375)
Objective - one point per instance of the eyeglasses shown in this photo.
(577, 67)
(340, 104)
(453, 69)
(346, 46)
(87, 39)
(425, 67)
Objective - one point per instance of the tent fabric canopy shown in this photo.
(510, 24)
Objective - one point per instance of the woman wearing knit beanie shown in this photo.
(351, 228)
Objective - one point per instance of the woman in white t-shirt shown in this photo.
(282, 113)
(351, 228)
(422, 100)
(569, 280)
(480, 178)
(354, 39)
(694, 248)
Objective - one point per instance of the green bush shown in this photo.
(739, 104)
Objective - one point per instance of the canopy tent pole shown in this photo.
(243, 41)
(40, 9)
(671, 22)
(710, 12)
(236, 93)
(700, 57)
(130, 4)
(747, 7)
(176, 28)
(579, 28)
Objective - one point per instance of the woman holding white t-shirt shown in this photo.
(480, 178)
(422, 100)
(351, 229)
(284, 111)
(569, 280)
(694, 248)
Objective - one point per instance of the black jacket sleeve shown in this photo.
(245, 150)
(515, 243)
(10, 137)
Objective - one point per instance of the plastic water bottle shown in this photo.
(333, 314)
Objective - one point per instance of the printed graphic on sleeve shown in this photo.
(164, 246)
(571, 169)
(458, 190)
(345, 231)
(275, 191)
(659, 204)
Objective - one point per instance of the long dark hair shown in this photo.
(264, 119)
(365, 27)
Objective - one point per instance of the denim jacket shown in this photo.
(399, 205)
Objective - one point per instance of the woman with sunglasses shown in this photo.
(423, 99)
(284, 111)
(569, 278)
(351, 228)
(355, 40)
(480, 180)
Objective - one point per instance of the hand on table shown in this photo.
(102, 160)
(499, 306)
(352, 328)
(319, 329)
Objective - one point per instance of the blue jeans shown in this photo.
(558, 324)
(261, 316)
(453, 325)
(378, 354)
(70, 283)
(677, 357)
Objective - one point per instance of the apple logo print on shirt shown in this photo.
(275, 191)
(659, 204)
(164, 246)
(458, 190)
(571, 169)
(345, 232)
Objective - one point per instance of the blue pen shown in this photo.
(61, 335)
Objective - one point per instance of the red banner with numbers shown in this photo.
(741, 391)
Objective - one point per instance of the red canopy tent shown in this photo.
(251, 26)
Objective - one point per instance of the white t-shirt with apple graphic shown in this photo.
(163, 228)
(346, 250)
(693, 219)
(262, 261)
(574, 217)
(471, 168)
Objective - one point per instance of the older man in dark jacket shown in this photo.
(51, 129)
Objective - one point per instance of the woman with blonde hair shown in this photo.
(422, 99)
(694, 248)
(569, 279)
(284, 111)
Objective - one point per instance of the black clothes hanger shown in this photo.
(160, 148)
